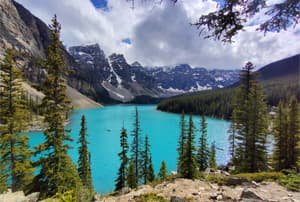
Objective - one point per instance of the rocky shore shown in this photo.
(184, 190)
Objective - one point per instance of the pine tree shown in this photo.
(146, 162)
(251, 124)
(3, 179)
(58, 173)
(84, 166)
(280, 133)
(163, 171)
(136, 150)
(240, 112)
(232, 138)
(181, 141)
(188, 167)
(131, 177)
(257, 138)
(293, 133)
(151, 175)
(203, 152)
(212, 156)
(121, 180)
(15, 155)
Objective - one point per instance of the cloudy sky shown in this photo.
(159, 34)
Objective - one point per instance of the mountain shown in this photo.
(105, 79)
(279, 79)
(183, 78)
(21, 30)
(122, 81)
(285, 67)
(133, 82)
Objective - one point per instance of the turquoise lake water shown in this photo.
(104, 126)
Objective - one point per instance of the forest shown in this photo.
(49, 169)
(219, 102)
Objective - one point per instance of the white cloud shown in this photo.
(161, 33)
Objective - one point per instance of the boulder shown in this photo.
(125, 190)
(173, 173)
(97, 197)
(13, 197)
(213, 196)
(177, 199)
(219, 197)
(33, 197)
(250, 194)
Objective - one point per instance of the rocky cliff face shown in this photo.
(184, 78)
(104, 79)
(21, 30)
(124, 82)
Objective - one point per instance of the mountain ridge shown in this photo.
(124, 82)
(218, 103)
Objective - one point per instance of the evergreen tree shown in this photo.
(251, 124)
(15, 155)
(136, 150)
(131, 177)
(280, 133)
(146, 162)
(257, 138)
(181, 141)
(84, 166)
(163, 171)
(293, 133)
(121, 180)
(151, 175)
(212, 156)
(188, 167)
(57, 171)
(3, 179)
(203, 152)
(232, 138)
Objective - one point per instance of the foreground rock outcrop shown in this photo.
(18, 197)
(183, 190)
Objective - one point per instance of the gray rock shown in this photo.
(226, 173)
(248, 194)
(177, 199)
(125, 190)
(250, 184)
(219, 197)
(33, 197)
(255, 183)
(213, 196)
(97, 197)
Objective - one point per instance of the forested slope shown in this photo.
(280, 80)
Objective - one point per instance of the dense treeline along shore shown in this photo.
(54, 175)
(280, 80)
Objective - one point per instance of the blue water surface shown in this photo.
(104, 126)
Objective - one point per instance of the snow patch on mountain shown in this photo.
(219, 79)
(119, 80)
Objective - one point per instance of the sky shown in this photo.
(160, 34)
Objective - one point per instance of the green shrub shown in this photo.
(244, 177)
(213, 178)
(290, 181)
(259, 177)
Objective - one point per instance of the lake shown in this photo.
(104, 127)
